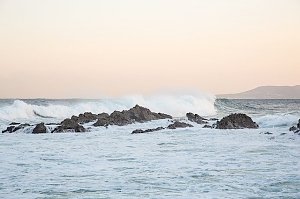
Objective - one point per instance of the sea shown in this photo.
(186, 163)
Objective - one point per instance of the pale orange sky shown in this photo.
(89, 49)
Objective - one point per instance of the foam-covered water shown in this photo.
(182, 163)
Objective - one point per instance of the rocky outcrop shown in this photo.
(147, 130)
(85, 118)
(178, 124)
(236, 121)
(39, 128)
(196, 118)
(296, 129)
(13, 128)
(135, 114)
(69, 125)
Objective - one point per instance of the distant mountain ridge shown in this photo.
(267, 92)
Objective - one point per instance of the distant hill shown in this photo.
(267, 92)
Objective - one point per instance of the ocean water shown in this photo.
(182, 163)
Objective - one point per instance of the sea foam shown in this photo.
(176, 105)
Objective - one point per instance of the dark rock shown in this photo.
(236, 121)
(213, 119)
(207, 126)
(85, 117)
(8, 129)
(135, 114)
(196, 118)
(103, 120)
(120, 118)
(147, 130)
(268, 133)
(69, 125)
(12, 129)
(14, 123)
(39, 128)
(141, 114)
(164, 116)
(21, 126)
(137, 131)
(178, 124)
(295, 129)
(52, 124)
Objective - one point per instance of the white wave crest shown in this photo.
(279, 120)
(175, 105)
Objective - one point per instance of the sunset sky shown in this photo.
(90, 49)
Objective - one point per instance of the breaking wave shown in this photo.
(176, 105)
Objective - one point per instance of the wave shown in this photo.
(278, 120)
(176, 105)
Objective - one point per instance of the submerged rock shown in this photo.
(12, 129)
(196, 118)
(39, 128)
(147, 130)
(207, 126)
(236, 121)
(296, 129)
(9, 129)
(178, 124)
(69, 125)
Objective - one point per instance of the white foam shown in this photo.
(279, 120)
(176, 105)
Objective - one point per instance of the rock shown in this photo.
(236, 121)
(195, 118)
(85, 117)
(178, 124)
(8, 129)
(268, 133)
(69, 125)
(39, 128)
(147, 130)
(213, 119)
(207, 126)
(141, 114)
(137, 131)
(120, 118)
(12, 129)
(14, 123)
(164, 116)
(103, 120)
(295, 129)
(135, 114)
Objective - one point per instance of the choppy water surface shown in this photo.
(189, 163)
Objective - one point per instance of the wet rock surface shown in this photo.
(236, 121)
(14, 128)
(69, 125)
(178, 124)
(296, 129)
(39, 128)
(147, 130)
(196, 118)
(135, 114)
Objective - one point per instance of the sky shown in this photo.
(90, 49)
